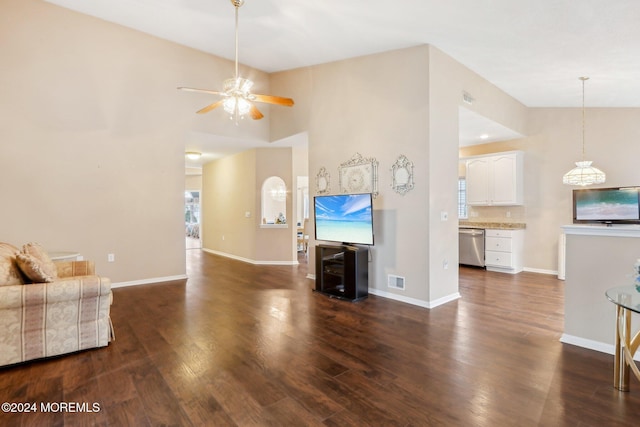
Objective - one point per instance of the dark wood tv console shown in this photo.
(342, 271)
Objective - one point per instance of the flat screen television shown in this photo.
(344, 218)
(606, 205)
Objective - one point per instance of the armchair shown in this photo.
(67, 314)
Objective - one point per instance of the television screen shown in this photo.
(606, 205)
(344, 218)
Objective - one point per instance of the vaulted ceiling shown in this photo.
(533, 50)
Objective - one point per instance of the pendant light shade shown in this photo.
(584, 174)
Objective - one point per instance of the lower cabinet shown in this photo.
(342, 271)
(503, 250)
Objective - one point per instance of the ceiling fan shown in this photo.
(237, 99)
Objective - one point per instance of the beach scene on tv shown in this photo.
(344, 218)
(607, 205)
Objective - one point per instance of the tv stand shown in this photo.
(342, 271)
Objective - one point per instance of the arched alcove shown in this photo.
(274, 200)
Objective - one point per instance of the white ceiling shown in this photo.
(534, 50)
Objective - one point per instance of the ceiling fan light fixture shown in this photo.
(236, 105)
(237, 99)
(237, 86)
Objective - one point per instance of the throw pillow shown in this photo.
(32, 268)
(9, 272)
(47, 266)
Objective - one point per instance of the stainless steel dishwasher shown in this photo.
(471, 244)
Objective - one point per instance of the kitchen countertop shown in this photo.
(493, 225)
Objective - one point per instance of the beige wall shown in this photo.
(361, 106)
(193, 182)
(228, 191)
(596, 263)
(92, 137)
(231, 188)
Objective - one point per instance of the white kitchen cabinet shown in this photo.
(503, 250)
(496, 179)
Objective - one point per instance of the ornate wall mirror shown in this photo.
(323, 181)
(402, 175)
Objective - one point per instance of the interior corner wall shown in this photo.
(375, 107)
(448, 81)
(92, 137)
(231, 206)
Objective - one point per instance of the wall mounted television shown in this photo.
(344, 218)
(619, 205)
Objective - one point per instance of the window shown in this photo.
(462, 198)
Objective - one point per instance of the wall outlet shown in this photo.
(222, 237)
(247, 214)
(444, 215)
(111, 257)
(508, 214)
(445, 264)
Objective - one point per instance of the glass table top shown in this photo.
(625, 296)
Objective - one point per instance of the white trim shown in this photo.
(592, 345)
(250, 261)
(587, 343)
(444, 300)
(618, 230)
(311, 276)
(274, 225)
(540, 271)
(414, 301)
(149, 281)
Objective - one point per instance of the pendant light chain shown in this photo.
(583, 118)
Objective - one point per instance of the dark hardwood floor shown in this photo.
(246, 345)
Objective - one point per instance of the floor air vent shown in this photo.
(395, 282)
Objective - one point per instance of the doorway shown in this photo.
(192, 219)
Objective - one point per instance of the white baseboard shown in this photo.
(250, 261)
(586, 343)
(591, 345)
(541, 271)
(414, 301)
(148, 281)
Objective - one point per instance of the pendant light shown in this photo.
(584, 174)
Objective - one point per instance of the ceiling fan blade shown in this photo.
(270, 99)
(209, 107)
(255, 113)
(191, 89)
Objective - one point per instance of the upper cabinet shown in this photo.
(496, 179)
